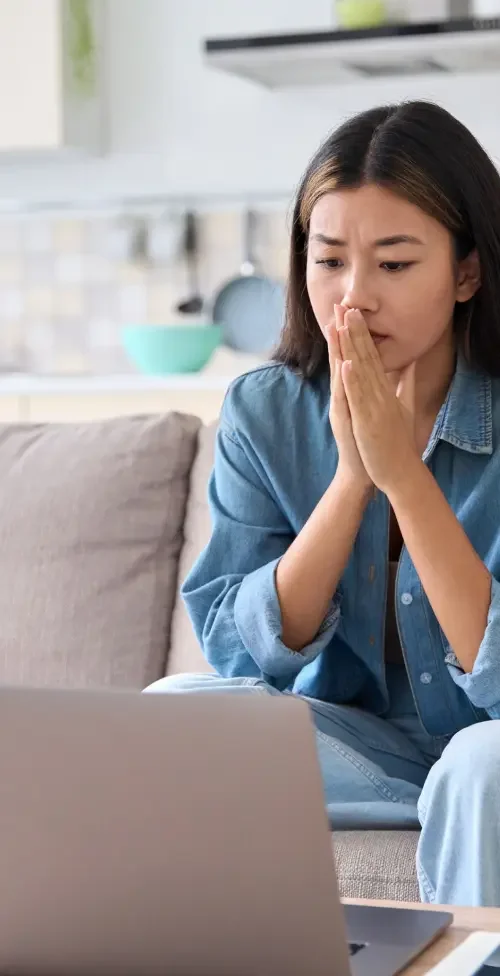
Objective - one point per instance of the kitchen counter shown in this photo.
(28, 397)
(61, 399)
(28, 384)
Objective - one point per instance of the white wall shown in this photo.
(179, 128)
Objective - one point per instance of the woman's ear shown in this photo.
(469, 277)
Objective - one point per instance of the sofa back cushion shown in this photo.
(185, 652)
(91, 521)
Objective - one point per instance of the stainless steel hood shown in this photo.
(339, 56)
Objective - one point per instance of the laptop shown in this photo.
(176, 834)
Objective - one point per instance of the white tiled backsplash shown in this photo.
(67, 285)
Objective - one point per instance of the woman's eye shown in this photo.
(332, 263)
(395, 266)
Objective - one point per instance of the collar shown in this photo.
(465, 419)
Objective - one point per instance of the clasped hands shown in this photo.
(372, 416)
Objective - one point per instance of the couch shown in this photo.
(98, 524)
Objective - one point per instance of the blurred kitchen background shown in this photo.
(149, 151)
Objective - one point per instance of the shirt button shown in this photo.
(406, 599)
(426, 678)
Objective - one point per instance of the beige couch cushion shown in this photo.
(377, 864)
(185, 652)
(90, 534)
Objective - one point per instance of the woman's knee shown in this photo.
(458, 847)
(180, 682)
(208, 682)
(474, 753)
(469, 764)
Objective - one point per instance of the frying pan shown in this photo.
(250, 308)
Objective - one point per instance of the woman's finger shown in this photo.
(340, 314)
(346, 344)
(352, 387)
(332, 340)
(332, 351)
(364, 344)
(339, 318)
(338, 391)
(355, 322)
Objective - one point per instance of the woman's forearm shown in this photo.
(308, 574)
(455, 580)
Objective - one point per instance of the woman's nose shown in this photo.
(357, 294)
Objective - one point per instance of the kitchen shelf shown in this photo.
(339, 56)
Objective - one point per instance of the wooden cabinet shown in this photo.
(51, 93)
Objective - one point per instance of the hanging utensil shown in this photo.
(192, 305)
(250, 308)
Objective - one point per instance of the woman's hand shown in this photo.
(382, 417)
(350, 463)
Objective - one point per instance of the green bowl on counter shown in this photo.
(163, 350)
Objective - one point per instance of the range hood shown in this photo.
(339, 56)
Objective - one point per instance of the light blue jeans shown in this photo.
(389, 773)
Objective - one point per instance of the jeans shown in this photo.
(388, 773)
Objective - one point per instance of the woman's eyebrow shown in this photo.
(397, 239)
(381, 242)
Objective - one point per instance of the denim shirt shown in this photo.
(275, 458)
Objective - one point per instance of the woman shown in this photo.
(355, 555)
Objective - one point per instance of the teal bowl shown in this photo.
(160, 350)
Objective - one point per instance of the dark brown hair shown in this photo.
(421, 152)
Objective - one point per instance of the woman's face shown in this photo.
(372, 250)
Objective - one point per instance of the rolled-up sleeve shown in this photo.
(482, 684)
(230, 593)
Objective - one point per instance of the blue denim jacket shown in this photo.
(275, 457)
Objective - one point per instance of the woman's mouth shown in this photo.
(378, 338)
